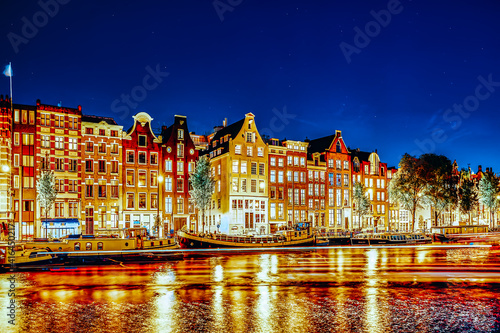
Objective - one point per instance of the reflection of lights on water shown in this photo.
(274, 264)
(372, 311)
(263, 274)
(166, 277)
(263, 309)
(340, 261)
(384, 258)
(218, 309)
(165, 311)
(421, 255)
(371, 265)
(218, 273)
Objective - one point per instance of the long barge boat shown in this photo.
(134, 245)
(300, 234)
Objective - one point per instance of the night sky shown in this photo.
(425, 79)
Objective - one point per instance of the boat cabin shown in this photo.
(460, 229)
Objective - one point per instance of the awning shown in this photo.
(61, 223)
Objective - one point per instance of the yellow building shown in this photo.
(239, 161)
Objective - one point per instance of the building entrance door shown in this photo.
(89, 220)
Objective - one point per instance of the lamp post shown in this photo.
(158, 222)
(8, 197)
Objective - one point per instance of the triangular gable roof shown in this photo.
(326, 143)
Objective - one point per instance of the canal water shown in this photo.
(325, 290)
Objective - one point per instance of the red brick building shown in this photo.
(178, 156)
(141, 167)
(335, 199)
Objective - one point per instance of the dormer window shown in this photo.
(142, 141)
(338, 148)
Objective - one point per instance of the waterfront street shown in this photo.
(423, 289)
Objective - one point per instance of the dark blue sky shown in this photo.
(397, 93)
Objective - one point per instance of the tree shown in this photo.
(46, 192)
(468, 195)
(407, 186)
(489, 192)
(360, 200)
(440, 184)
(203, 185)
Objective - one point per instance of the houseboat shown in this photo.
(90, 249)
(389, 238)
(300, 234)
(464, 233)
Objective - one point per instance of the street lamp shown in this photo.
(160, 180)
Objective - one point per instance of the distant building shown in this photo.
(368, 170)
(102, 163)
(141, 160)
(179, 155)
(239, 161)
(329, 155)
(57, 147)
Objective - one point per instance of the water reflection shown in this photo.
(330, 290)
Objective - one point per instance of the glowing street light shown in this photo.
(160, 180)
(5, 168)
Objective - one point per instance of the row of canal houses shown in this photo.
(108, 178)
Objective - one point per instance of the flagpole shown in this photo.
(10, 77)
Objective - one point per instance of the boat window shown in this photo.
(152, 243)
(161, 242)
(33, 255)
(126, 244)
(77, 246)
(99, 245)
(88, 246)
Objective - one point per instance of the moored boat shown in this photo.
(389, 238)
(18, 256)
(298, 235)
(464, 233)
(133, 245)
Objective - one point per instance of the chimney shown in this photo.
(224, 123)
(479, 168)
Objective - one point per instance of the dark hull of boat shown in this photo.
(188, 241)
(365, 241)
(66, 260)
(489, 237)
(339, 240)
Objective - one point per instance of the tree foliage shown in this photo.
(46, 191)
(489, 192)
(440, 190)
(408, 185)
(203, 186)
(468, 195)
(361, 201)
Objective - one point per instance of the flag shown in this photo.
(8, 70)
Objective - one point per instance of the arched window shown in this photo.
(99, 246)
(356, 164)
(338, 148)
(77, 246)
(88, 246)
